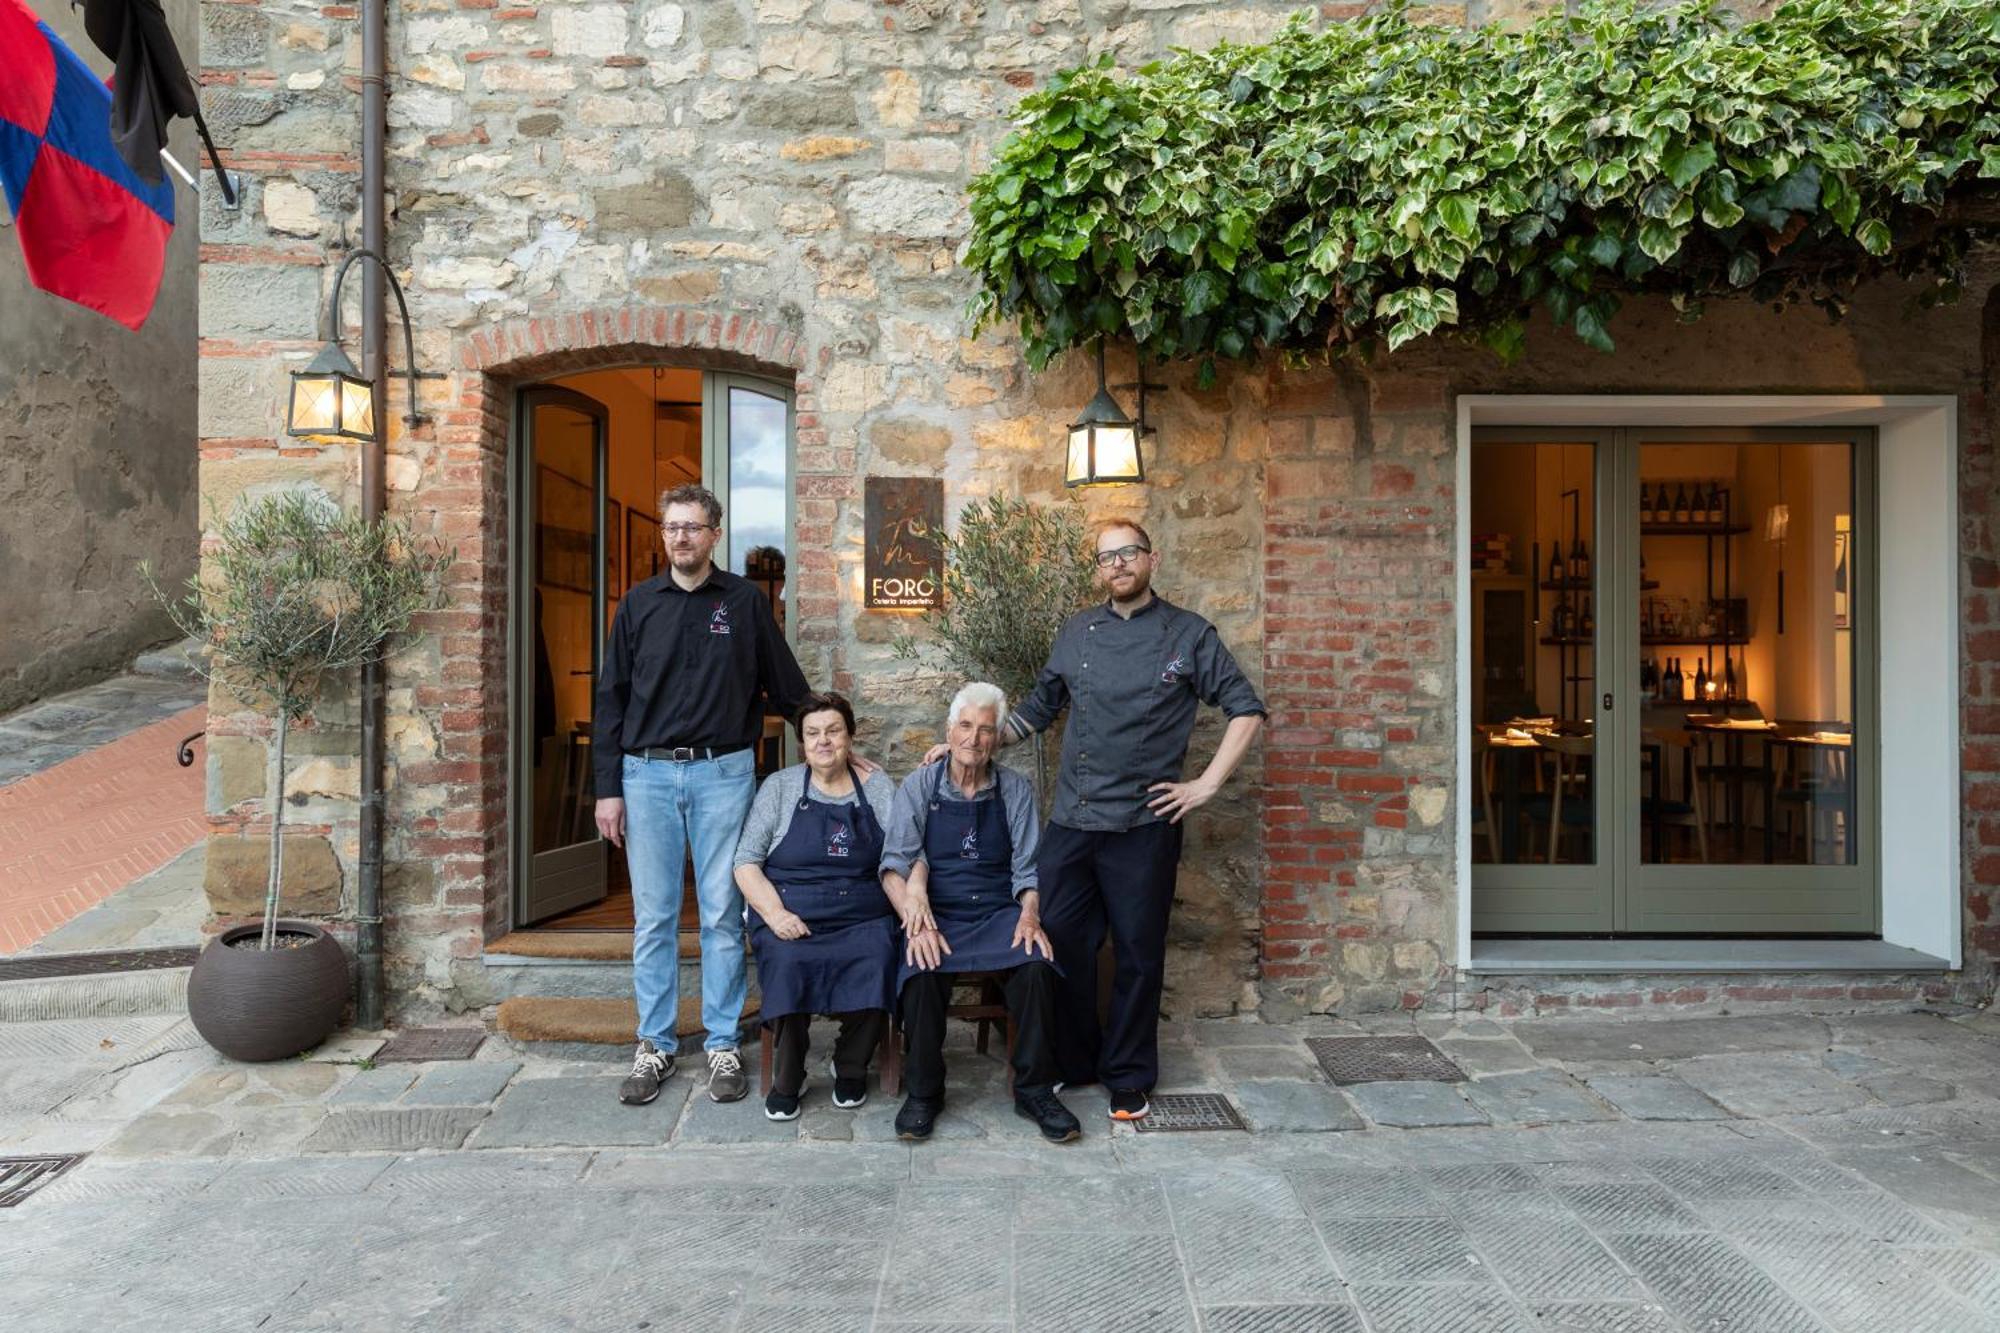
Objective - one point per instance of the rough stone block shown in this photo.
(668, 200)
(395, 1129)
(238, 869)
(238, 771)
(582, 1111)
(799, 109)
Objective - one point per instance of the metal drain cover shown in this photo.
(413, 1044)
(22, 1176)
(95, 964)
(1173, 1112)
(1383, 1059)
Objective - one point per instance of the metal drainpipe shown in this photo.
(374, 345)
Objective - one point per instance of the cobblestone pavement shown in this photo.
(1753, 1174)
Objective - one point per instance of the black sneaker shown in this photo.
(777, 1106)
(650, 1068)
(1129, 1104)
(848, 1093)
(1050, 1116)
(918, 1117)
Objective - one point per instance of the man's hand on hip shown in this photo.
(1176, 799)
(611, 820)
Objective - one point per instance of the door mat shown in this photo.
(1176, 1112)
(1383, 1060)
(95, 964)
(22, 1176)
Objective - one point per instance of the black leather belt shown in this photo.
(687, 754)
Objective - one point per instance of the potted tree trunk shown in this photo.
(293, 594)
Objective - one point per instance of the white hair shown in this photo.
(980, 694)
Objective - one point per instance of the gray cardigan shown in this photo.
(771, 813)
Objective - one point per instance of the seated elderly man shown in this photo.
(958, 860)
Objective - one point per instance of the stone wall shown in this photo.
(97, 459)
(778, 187)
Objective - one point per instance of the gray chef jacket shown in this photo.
(1132, 688)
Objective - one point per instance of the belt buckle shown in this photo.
(682, 754)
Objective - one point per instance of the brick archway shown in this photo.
(474, 429)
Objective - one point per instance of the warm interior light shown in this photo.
(1777, 522)
(329, 397)
(357, 407)
(315, 404)
(1117, 453)
(1103, 441)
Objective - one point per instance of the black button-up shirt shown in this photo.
(690, 668)
(1132, 688)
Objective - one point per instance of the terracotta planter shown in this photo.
(256, 1004)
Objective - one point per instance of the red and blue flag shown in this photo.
(90, 229)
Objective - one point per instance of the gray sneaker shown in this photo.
(650, 1068)
(726, 1080)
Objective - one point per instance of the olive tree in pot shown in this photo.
(1013, 572)
(292, 594)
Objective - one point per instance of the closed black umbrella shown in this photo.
(150, 84)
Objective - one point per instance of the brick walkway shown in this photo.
(75, 833)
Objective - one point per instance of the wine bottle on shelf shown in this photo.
(1646, 680)
(1728, 679)
(1555, 562)
(1670, 688)
(1700, 679)
(1645, 502)
(1582, 561)
(1715, 504)
(1587, 625)
(1559, 623)
(1680, 503)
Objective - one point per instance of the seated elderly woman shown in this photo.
(821, 928)
(960, 861)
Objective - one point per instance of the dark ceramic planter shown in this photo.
(256, 1004)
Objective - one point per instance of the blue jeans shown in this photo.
(670, 809)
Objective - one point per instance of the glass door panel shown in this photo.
(562, 586)
(750, 448)
(1542, 793)
(1755, 691)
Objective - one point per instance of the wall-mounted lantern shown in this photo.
(329, 396)
(1104, 443)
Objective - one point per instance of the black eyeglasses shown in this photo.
(1124, 555)
(686, 529)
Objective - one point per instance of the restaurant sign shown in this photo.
(902, 564)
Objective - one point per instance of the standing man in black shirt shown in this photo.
(694, 661)
(1132, 673)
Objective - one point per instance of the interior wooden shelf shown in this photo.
(1693, 529)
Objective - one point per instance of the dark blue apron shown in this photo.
(971, 856)
(825, 869)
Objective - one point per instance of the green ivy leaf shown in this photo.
(1685, 165)
(1875, 236)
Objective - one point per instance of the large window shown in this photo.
(1672, 694)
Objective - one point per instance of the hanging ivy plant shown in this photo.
(1378, 181)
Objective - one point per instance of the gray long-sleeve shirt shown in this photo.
(770, 816)
(908, 816)
(1132, 688)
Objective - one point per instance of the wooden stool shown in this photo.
(988, 1009)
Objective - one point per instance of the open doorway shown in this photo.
(595, 452)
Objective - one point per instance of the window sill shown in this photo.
(1570, 956)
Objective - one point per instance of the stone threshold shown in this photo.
(540, 947)
(1641, 957)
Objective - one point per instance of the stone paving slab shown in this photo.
(394, 1129)
(1543, 1097)
(1654, 1097)
(376, 1086)
(1303, 1318)
(1767, 1085)
(1393, 1308)
(1287, 1107)
(1579, 1039)
(577, 1112)
(1413, 1105)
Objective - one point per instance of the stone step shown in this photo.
(105, 995)
(572, 1028)
(170, 660)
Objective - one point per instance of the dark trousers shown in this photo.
(860, 1034)
(1031, 1008)
(1123, 881)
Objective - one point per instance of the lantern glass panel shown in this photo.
(315, 404)
(357, 407)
